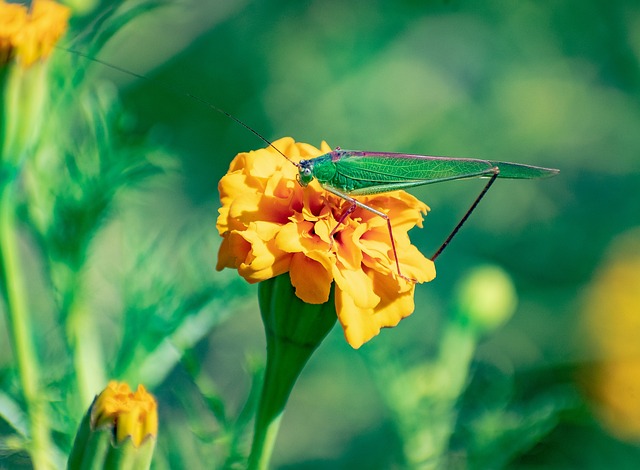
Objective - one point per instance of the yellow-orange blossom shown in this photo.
(271, 225)
(132, 414)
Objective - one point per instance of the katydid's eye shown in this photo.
(306, 171)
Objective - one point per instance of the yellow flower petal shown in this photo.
(358, 286)
(356, 322)
(304, 269)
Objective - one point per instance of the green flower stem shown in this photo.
(87, 352)
(284, 364)
(24, 94)
(21, 331)
(426, 445)
(83, 339)
(294, 330)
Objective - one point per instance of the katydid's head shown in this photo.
(305, 172)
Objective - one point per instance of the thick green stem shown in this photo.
(21, 331)
(285, 361)
(294, 330)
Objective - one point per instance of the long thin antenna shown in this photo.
(496, 171)
(184, 93)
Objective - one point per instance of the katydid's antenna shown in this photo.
(184, 93)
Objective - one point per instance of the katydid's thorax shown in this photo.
(321, 168)
(325, 169)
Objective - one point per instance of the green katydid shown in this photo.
(349, 173)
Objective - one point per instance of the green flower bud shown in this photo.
(486, 298)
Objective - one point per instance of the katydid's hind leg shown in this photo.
(355, 203)
(495, 172)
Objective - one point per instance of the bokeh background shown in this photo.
(555, 84)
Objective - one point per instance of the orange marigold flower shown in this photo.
(271, 225)
(31, 34)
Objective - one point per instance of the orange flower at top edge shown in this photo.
(31, 34)
(271, 225)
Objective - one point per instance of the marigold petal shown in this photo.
(415, 265)
(289, 237)
(232, 251)
(264, 164)
(254, 258)
(362, 324)
(349, 251)
(355, 321)
(265, 262)
(311, 279)
(394, 304)
(357, 285)
(230, 185)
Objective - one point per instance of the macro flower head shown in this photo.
(271, 225)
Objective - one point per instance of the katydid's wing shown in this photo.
(376, 172)
(522, 171)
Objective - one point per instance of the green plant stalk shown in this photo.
(457, 348)
(294, 330)
(424, 398)
(87, 352)
(283, 368)
(21, 331)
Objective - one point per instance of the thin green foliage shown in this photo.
(111, 292)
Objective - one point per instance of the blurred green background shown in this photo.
(555, 84)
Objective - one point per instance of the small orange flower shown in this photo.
(132, 414)
(271, 225)
(30, 35)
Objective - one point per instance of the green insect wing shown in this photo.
(360, 173)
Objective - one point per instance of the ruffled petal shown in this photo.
(356, 322)
(357, 285)
(303, 270)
